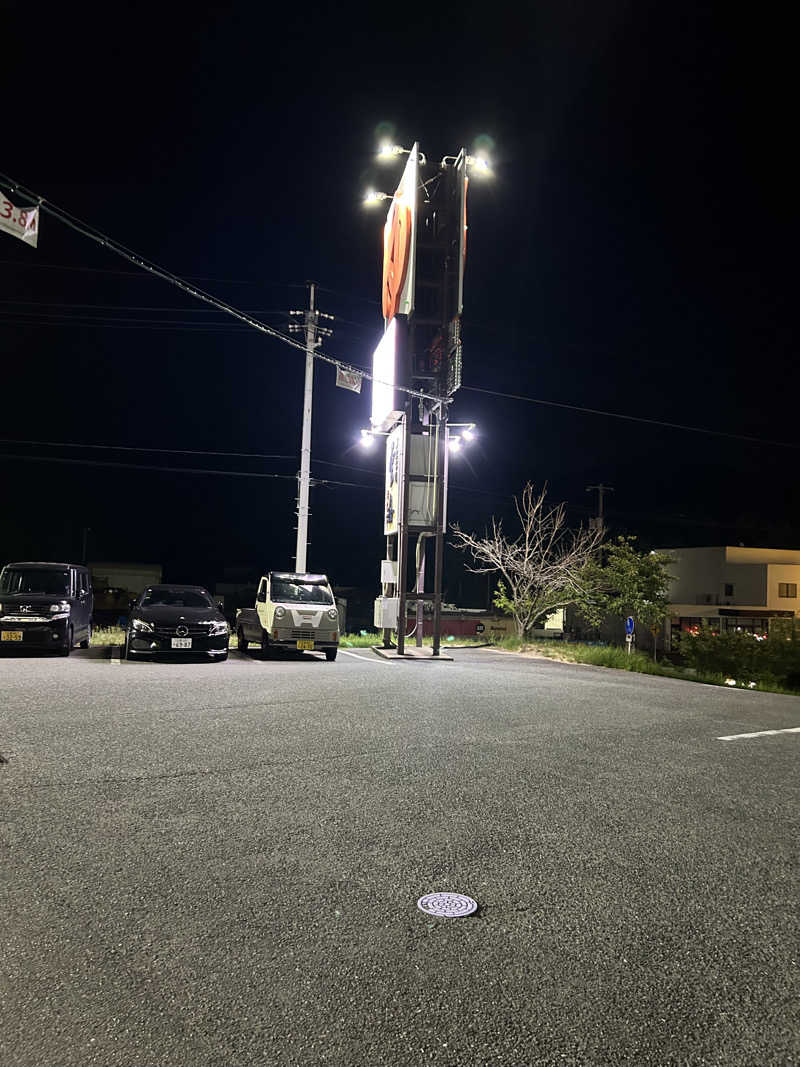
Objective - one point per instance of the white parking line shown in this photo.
(761, 733)
(116, 656)
(364, 659)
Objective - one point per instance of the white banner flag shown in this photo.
(22, 222)
(348, 379)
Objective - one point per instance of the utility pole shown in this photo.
(598, 524)
(311, 328)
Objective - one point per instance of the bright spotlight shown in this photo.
(390, 151)
(480, 165)
(454, 444)
(372, 197)
(468, 434)
(367, 439)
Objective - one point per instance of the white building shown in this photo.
(731, 588)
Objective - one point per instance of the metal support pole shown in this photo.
(421, 586)
(402, 533)
(390, 555)
(441, 472)
(305, 446)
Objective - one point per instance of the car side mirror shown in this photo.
(261, 598)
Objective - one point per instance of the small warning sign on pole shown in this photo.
(22, 222)
(348, 379)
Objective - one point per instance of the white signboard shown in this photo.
(384, 362)
(395, 464)
(348, 379)
(22, 222)
(400, 243)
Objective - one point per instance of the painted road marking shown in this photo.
(761, 733)
(364, 659)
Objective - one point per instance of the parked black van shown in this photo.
(45, 605)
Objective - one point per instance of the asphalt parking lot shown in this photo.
(219, 863)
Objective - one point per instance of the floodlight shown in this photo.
(367, 439)
(454, 444)
(480, 165)
(372, 197)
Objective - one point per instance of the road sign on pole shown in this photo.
(629, 625)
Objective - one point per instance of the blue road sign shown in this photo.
(629, 625)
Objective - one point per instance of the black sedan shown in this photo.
(176, 619)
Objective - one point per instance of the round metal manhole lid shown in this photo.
(447, 905)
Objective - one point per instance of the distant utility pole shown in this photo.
(598, 524)
(311, 328)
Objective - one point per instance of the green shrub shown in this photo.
(773, 661)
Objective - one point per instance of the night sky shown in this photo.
(633, 253)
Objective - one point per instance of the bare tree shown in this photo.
(542, 569)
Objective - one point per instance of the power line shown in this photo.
(106, 242)
(135, 307)
(62, 320)
(146, 467)
(141, 448)
(133, 273)
(632, 418)
(133, 257)
(178, 452)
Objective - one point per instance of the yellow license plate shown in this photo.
(11, 635)
(305, 646)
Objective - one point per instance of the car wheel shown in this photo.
(241, 640)
(330, 654)
(88, 641)
(65, 651)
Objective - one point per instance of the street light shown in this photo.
(367, 439)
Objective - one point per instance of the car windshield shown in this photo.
(299, 592)
(176, 598)
(35, 580)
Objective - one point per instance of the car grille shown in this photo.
(303, 635)
(193, 631)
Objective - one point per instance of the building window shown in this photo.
(787, 589)
(728, 589)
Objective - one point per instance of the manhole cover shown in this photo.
(447, 905)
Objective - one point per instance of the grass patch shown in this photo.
(368, 640)
(107, 635)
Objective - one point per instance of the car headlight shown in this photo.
(333, 613)
(142, 626)
(280, 612)
(217, 628)
(62, 605)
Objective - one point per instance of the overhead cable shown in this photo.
(632, 418)
(104, 241)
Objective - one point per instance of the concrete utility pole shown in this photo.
(311, 328)
(598, 523)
